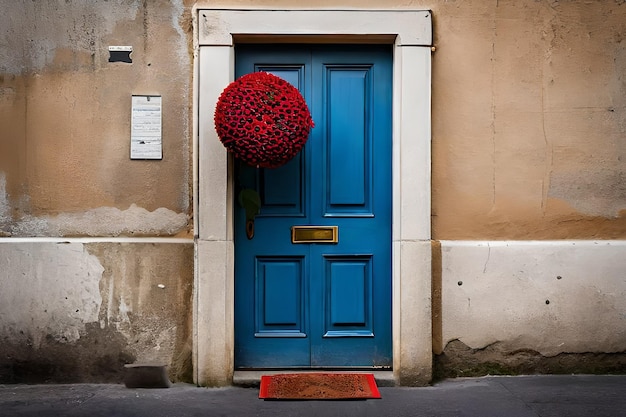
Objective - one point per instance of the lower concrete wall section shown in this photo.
(529, 307)
(78, 311)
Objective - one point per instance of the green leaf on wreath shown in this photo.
(250, 200)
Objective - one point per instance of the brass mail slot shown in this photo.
(314, 234)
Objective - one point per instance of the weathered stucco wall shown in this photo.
(529, 113)
(65, 165)
(77, 312)
(529, 307)
(529, 117)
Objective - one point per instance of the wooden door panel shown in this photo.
(282, 189)
(348, 301)
(280, 297)
(320, 304)
(348, 140)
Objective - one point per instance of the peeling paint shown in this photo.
(599, 190)
(65, 113)
(156, 322)
(77, 312)
(178, 10)
(56, 287)
(103, 221)
(98, 356)
(32, 47)
(5, 209)
(459, 360)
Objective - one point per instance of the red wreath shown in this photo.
(262, 119)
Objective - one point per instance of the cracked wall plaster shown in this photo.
(73, 312)
(47, 290)
(597, 190)
(104, 221)
(459, 360)
(146, 291)
(550, 297)
(5, 209)
(33, 46)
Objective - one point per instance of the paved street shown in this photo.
(534, 396)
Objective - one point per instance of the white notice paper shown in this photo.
(145, 131)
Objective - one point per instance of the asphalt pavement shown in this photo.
(546, 395)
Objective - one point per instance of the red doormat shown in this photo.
(318, 386)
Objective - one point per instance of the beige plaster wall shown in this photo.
(529, 115)
(65, 167)
(529, 102)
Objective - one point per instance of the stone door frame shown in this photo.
(217, 32)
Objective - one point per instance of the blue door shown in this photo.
(313, 285)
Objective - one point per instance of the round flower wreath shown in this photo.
(262, 119)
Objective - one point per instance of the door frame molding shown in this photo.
(216, 34)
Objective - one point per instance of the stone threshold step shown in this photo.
(253, 378)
